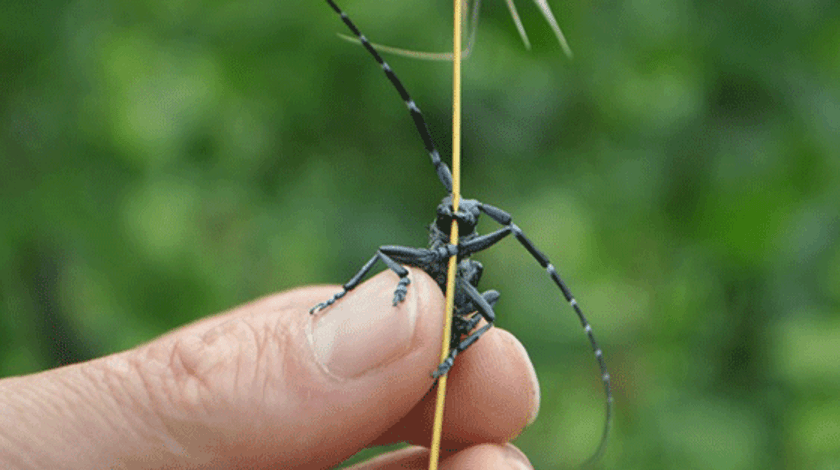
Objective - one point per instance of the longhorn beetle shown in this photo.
(470, 304)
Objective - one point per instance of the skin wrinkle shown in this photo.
(139, 363)
(262, 361)
(108, 374)
(262, 340)
(26, 459)
(199, 371)
(279, 339)
(240, 350)
(16, 460)
(136, 427)
(252, 344)
(164, 404)
(154, 402)
(183, 408)
(87, 372)
(260, 381)
(266, 377)
(152, 426)
(259, 341)
(125, 402)
(79, 405)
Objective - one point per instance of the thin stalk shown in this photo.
(434, 454)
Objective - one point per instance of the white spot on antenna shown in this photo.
(386, 67)
(412, 106)
(598, 353)
(587, 328)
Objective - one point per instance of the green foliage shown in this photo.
(162, 161)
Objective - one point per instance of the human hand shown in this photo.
(267, 385)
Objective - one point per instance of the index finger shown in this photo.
(492, 395)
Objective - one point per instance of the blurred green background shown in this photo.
(166, 160)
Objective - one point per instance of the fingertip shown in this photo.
(495, 388)
(488, 456)
(492, 396)
(483, 456)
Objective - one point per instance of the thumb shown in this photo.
(264, 385)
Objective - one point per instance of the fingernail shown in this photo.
(363, 330)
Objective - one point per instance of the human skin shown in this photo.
(267, 385)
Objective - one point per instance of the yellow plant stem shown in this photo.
(434, 454)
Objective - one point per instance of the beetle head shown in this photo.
(467, 215)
